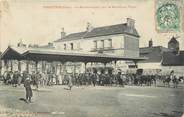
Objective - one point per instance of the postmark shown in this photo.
(168, 15)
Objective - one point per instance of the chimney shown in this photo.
(21, 44)
(89, 27)
(150, 43)
(63, 34)
(130, 22)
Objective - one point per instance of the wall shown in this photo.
(156, 65)
(131, 46)
(122, 45)
(165, 69)
(117, 44)
(76, 44)
(177, 69)
(87, 44)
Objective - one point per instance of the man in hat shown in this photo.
(27, 85)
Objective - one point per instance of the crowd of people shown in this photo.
(94, 78)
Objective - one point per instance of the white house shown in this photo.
(118, 39)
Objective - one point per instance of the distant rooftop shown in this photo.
(73, 36)
(154, 53)
(171, 59)
(173, 40)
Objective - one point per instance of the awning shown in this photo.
(40, 54)
(13, 53)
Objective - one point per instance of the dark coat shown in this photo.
(27, 85)
(94, 77)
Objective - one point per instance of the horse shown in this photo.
(167, 81)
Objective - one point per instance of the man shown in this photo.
(15, 79)
(27, 85)
(120, 80)
(37, 78)
(94, 77)
(70, 84)
(50, 77)
(19, 78)
(102, 78)
(175, 81)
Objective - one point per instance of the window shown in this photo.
(64, 46)
(110, 43)
(71, 44)
(102, 43)
(78, 45)
(95, 44)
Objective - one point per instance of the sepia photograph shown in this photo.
(92, 58)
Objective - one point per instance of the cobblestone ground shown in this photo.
(88, 101)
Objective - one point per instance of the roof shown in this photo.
(154, 54)
(75, 56)
(102, 31)
(111, 30)
(182, 56)
(173, 40)
(38, 54)
(46, 47)
(13, 53)
(171, 59)
(72, 36)
(151, 49)
(20, 50)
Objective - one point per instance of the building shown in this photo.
(172, 61)
(173, 45)
(118, 39)
(154, 55)
(162, 58)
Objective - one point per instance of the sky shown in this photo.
(41, 21)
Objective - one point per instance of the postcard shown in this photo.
(91, 58)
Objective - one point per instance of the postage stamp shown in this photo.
(168, 15)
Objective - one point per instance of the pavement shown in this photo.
(89, 101)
